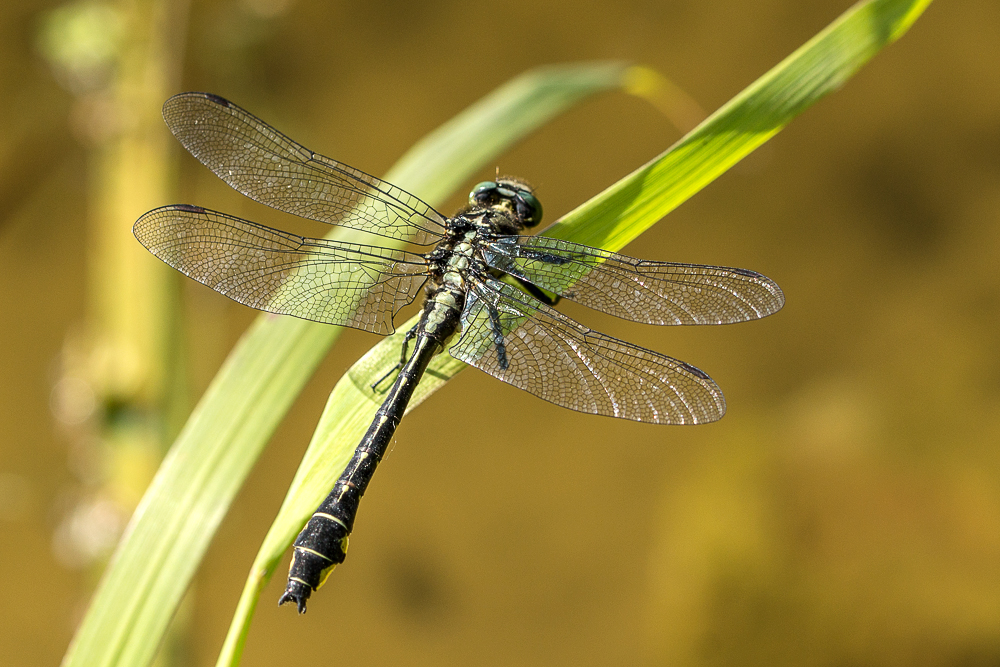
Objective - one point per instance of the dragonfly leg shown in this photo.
(537, 292)
(540, 256)
(410, 335)
(498, 335)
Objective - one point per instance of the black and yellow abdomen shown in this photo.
(322, 544)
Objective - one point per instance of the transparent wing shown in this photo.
(517, 339)
(636, 289)
(348, 284)
(265, 165)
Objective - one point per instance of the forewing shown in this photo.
(347, 284)
(265, 165)
(517, 339)
(636, 289)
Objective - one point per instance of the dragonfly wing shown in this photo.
(517, 339)
(636, 289)
(348, 284)
(265, 165)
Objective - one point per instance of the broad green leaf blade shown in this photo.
(615, 217)
(208, 463)
(609, 221)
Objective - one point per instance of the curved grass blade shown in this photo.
(610, 220)
(208, 463)
(615, 217)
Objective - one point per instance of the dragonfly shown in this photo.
(489, 291)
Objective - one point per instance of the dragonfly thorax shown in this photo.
(452, 260)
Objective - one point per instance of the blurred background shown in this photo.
(845, 512)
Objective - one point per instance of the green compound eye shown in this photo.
(482, 193)
(529, 208)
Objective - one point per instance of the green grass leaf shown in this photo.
(180, 512)
(609, 220)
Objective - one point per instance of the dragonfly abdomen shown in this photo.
(322, 544)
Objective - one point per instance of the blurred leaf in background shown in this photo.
(121, 391)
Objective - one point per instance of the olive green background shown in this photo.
(845, 512)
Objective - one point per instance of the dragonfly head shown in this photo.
(511, 196)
